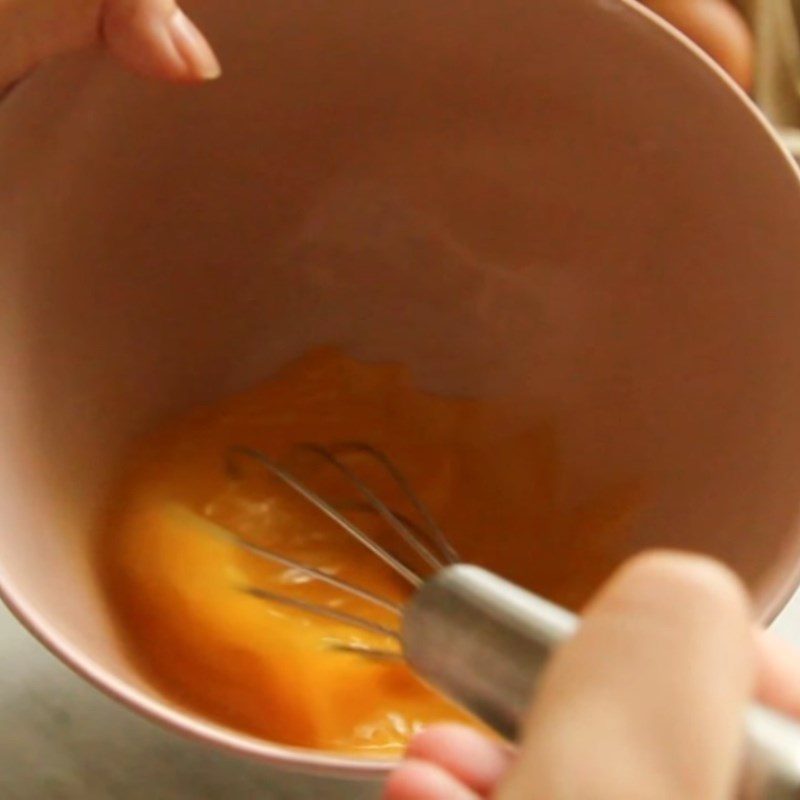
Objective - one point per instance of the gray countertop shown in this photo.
(62, 740)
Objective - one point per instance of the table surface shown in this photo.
(62, 740)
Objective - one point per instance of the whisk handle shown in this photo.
(483, 642)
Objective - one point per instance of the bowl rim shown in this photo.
(328, 764)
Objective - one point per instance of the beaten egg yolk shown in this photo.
(178, 582)
(177, 579)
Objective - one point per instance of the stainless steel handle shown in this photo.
(483, 642)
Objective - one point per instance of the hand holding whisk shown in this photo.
(477, 638)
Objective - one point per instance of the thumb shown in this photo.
(647, 700)
(157, 39)
(152, 37)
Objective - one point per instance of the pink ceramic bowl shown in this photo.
(562, 201)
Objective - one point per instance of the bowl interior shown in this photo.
(558, 203)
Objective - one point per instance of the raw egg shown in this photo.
(181, 587)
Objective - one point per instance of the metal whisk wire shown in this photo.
(323, 611)
(434, 533)
(466, 623)
(421, 539)
(274, 556)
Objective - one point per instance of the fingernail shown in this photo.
(193, 48)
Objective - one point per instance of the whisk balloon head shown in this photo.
(412, 526)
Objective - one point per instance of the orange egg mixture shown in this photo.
(177, 581)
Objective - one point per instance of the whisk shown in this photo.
(477, 638)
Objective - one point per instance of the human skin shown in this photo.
(646, 701)
(668, 628)
(718, 28)
(694, 653)
(152, 37)
(156, 39)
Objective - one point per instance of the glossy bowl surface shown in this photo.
(563, 202)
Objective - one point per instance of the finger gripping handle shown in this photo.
(483, 642)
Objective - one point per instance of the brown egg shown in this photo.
(717, 27)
